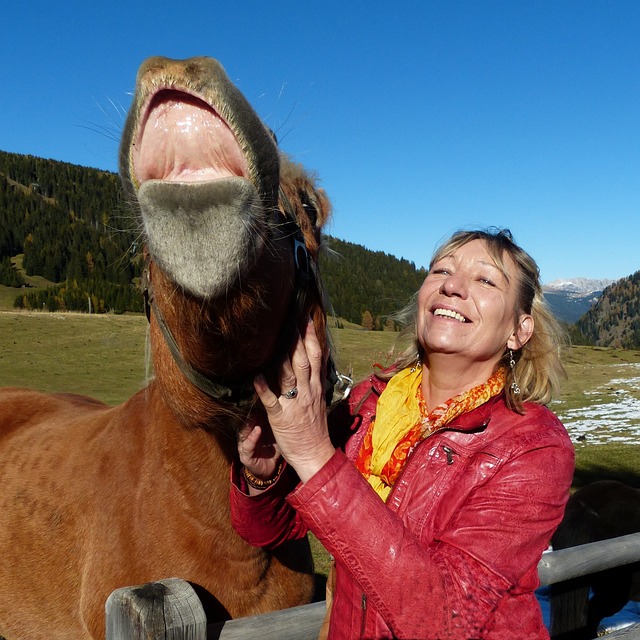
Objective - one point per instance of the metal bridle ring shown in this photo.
(291, 394)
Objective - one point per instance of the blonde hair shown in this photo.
(538, 369)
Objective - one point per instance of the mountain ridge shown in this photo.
(571, 298)
(578, 285)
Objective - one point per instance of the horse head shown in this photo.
(232, 234)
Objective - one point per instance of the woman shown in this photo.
(446, 475)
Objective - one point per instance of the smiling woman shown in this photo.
(496, 266)
(445, 472)
(467, 312)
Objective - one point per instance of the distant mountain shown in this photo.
(570, 299)
(581, 286)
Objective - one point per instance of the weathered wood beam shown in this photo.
(164, 610)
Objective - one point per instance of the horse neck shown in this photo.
(227, 340)
(193, 463)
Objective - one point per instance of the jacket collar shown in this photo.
(478, 418)
(473, 420)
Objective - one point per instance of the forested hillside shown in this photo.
(71, 229)
(364, 286)
(64, 226)
(614, 321)
(66, 222)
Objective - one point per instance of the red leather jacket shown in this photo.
(454, 551)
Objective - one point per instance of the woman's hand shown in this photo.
(257, 449)
(299, 420)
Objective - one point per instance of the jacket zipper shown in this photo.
(449, 452)
(363, 623)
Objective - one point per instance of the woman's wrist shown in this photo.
(308, 467)
(262, 483)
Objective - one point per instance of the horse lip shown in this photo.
(146, 107)
(174, 94)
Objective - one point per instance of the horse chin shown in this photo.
(204, 235)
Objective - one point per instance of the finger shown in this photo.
(249, 442)
(300, 362)
(244, 431)
(247, 445)
(267, 397)
(308, 360)
(258, 439)
(253, 437)
(286, 378)
(313, 347)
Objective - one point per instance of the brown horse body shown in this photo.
(94, 497)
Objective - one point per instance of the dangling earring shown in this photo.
(417, 365)
(514, 385)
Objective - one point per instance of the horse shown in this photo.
(598, 511)
(96, 497)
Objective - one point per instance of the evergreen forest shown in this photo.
(66, 227)
(66, 224)
(614, 321)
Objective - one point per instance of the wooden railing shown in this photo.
(171, 610)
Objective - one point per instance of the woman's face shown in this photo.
(466, 306)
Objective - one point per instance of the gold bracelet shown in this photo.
(258, 483)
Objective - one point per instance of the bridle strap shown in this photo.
(236, 395)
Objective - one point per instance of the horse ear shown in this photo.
(320, 205)
(307, 202)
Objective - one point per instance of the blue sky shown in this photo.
(419, 118)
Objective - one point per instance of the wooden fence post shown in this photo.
(164, 610)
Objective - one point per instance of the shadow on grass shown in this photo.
(586, 474)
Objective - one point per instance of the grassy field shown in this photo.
(100, 355)
(104, 356)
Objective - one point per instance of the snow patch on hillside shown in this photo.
(603, 420)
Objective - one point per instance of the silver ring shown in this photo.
(291, 394)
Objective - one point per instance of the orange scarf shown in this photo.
(403, 420)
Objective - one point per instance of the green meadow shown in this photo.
(104, 356)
